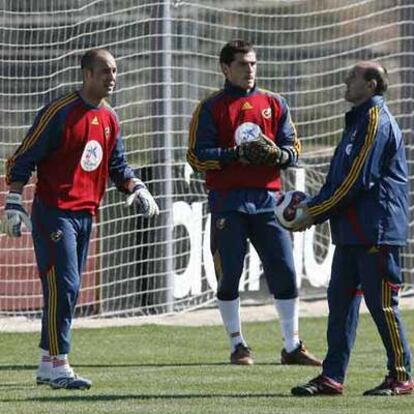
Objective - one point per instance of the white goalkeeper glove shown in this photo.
(142, 198)
(14, 216)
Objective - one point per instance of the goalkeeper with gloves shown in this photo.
(75, 144)
(241, 137)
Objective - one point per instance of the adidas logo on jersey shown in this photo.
(246, 106)
(373, 250)
(95, 121)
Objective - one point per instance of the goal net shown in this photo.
(167, 55)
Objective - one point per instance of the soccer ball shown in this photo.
(286, 213)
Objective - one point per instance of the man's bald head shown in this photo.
(366, 79)
(374, 71)
(94, 57)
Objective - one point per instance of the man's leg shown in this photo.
(381, 283)
(55, 236)
(344, 298)
(228, 247)
(274, 246)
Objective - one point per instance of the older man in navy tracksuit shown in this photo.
(365, 196)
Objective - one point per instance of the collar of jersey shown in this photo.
(88, 104)
(236, 91)
(376, 100)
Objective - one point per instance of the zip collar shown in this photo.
(234, 90)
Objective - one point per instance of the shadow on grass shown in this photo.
(16, 367)
(10, 386)
(22, 367)
(114, 397)
(175, 364)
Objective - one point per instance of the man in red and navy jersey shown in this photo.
(75, 145)
(242, 195)
(365, 197)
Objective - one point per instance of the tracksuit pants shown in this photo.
(61, 240)
(372, 272)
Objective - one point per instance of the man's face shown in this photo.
(100, 81)
(358, 90)
(242, 70)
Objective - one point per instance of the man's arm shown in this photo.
(287, 137)
(119, 170)
(42, 138)
(203, 151)
(363, 171)
(124, 178)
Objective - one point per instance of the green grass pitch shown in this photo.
(165, 369)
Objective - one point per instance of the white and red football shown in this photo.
(286, 211)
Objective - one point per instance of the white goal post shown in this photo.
(167, 54)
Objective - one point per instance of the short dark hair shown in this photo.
(89, 59)
(379, 74)
(227, 54)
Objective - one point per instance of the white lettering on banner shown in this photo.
(317, 273)
(207, 258)
(298, 256)
(306, 265)
(191, 218)
(251, 278)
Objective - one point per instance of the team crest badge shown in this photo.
(247, 131)
(56, 235)
(267, 113)
(220, 223)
